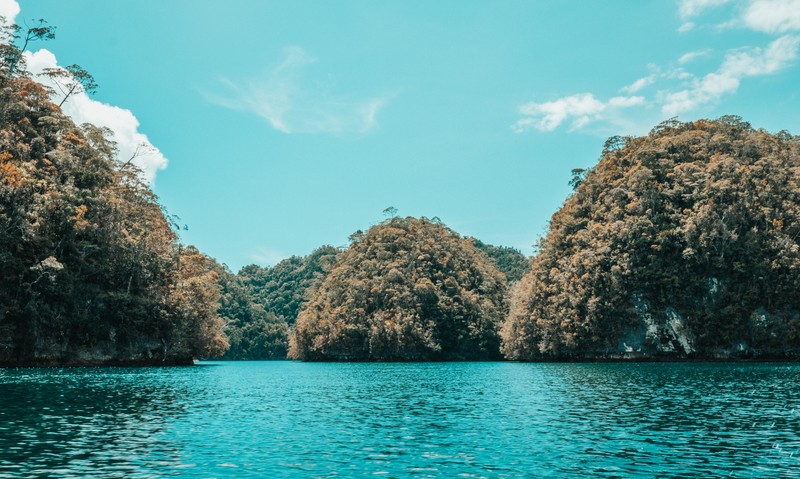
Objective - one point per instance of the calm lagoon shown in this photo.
(291, 419)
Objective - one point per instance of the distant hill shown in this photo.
(281, 289)
(510, 261)
(260, 304)
(681, 243)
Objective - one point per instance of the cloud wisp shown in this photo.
(737, 65)
(291, 101)
(689, 9)
(673, 89)
(580, 110)
(693, 55)
(639, 84)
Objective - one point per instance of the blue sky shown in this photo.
(276, 127)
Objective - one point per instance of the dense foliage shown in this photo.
(282, 289)
(90, 268)
(253, 332)
(510, 261)
(407, 289)
(260, 305)
(684, 241)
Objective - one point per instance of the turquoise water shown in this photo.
(288, 419)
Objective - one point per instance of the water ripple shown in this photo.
(475, 420)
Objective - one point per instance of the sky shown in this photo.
(273, 127)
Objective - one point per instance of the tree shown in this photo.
(91, 270)
(260, 305)
(283, 288)
(253, 332)
(10, 54)
(70, 81)
(510, 261)
(578, 174)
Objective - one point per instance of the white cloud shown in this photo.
(772, 16)
(83, 109)
(738, 64)
(688, 9)
(775, 17)
(692, 8)
(581, 109)
(757, 61)
(9, 9)
(639, 84)
(625, 101)
(292, 102)
(691, 56)
(682, 91)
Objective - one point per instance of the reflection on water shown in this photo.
(285, 419)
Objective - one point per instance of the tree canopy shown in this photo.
(407, 289)
(683, 242)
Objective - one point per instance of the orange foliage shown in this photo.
(8, 172)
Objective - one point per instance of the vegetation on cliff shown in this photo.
(684, 241)
(91, 270)
(407, 289)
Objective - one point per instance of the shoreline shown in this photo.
(54, 363)
(187, 363)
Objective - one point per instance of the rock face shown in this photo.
(407, 290)
(679, 244)
(99, 355)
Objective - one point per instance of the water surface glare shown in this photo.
(444, 420)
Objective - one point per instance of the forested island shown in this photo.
(407, 289)
(91, 271)
(681, 244)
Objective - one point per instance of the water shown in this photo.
(288, 419)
